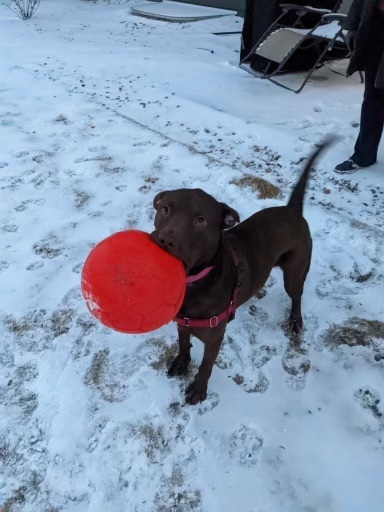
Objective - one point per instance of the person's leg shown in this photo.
(372, 109)
(371, 121)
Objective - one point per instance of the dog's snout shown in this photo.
(165, 243)
(166, 239)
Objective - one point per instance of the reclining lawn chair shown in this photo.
(279, 44)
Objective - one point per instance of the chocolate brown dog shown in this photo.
(227, 264)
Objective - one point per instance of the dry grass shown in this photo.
(264, 189)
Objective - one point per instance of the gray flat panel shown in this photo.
(234, 5)
(279, 44)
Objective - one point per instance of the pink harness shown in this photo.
(214, 321)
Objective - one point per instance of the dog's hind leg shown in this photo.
(295, 271)
(181, 362)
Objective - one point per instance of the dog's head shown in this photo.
(188, 224)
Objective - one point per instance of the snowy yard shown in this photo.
(99, 111)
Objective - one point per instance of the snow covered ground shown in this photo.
(100, 110)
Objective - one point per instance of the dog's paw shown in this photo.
(196, 392)
(179, 366)
(295, 323)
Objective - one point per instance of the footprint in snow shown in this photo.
(4, 265)
(256, 383)
(77, 268)
(370, 400)
(48, 247)
(245, 446)
(35, 265)
(296, 364)
(209, 403)
(21, 154)
(10, 228)
(25, 204)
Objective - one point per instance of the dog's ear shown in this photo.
(230, 216)
(158, 198)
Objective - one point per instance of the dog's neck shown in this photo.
(192, 278)
(222, 254)
(203, 269)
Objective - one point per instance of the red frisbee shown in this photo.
(132, 285)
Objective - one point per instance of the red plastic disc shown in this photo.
(132, 285)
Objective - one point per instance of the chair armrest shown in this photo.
(335, 17)
(304, 8)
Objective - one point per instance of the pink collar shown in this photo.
(200, 275)
(227, 315)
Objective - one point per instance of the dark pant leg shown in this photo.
(372, 110)
(371, 122)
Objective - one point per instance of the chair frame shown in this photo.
(310, 37)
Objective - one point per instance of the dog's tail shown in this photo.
(297, 197)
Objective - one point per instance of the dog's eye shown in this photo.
(199, 220)
(165, 210)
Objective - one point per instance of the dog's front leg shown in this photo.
(197, 390)
(181, 362)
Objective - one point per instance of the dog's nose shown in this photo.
(165, 243)
(166, 239)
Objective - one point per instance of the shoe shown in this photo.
(347, 167)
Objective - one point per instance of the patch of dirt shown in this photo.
(346, 185)
(56, 324)
(61, 321)
(175, 496)
(18, 498)
(269, 154)
(154, 440)
(27, 493)
(26, 323)
(107, 375)
(182, 500)
(86, 323)
(165, 353)
(354, 332)
(95, 374)
(265, 189)
(13, 394)
(7, 453)
(177, 479)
